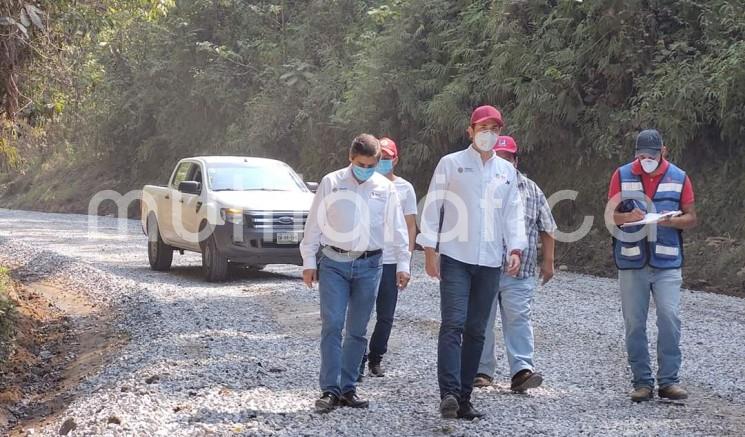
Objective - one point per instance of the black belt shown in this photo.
(365, 254)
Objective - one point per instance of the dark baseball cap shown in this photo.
(649, 141)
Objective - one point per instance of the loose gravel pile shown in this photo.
(242, 357)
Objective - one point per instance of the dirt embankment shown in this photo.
(59, 339)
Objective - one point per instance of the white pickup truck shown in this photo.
(245, 211)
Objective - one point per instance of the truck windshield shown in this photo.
(234, 177)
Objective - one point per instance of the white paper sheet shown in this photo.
(652, 217)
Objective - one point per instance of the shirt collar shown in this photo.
(636, 168)
(522, 180)
(476, 154)
(347, 174)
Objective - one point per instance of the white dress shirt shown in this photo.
(407, 198)
(482, 209)
(355, 216)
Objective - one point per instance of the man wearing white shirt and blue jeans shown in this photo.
(481, 207)
(354, 214)
(515, 296)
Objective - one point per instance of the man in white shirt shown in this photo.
(478, 195)
(385, 304)
(354, 214)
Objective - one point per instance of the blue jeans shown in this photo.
(636, 288)
(467, 292)
(385, 308)
(347, 290)
(514, 300)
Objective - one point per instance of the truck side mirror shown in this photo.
(312, 186)
(190, 187)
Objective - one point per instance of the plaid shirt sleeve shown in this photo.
(538, 219)
(545, 220)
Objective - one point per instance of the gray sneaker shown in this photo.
(449, 407)
(642, 394)
(673, 391)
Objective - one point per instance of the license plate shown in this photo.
(288, 237)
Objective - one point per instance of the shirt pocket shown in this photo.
(463, 180)
(376, 204)
(531, 212)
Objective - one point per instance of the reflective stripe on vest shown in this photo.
(673, 187)
(632, 186)
(631, 251)
(666, 250)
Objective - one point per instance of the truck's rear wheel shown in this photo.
(159, 253)
(214, 264)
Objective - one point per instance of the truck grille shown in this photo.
(276, 220)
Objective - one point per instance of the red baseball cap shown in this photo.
(486, 112)
(506, 144)
(388, 147)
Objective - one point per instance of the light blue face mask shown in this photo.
(362, 173)
(385, 166)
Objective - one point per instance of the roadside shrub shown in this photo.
(7, 313)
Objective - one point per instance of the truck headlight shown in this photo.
(232, 215)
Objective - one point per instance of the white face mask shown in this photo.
(485, 140)
(649, 165)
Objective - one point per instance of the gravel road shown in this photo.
(242, 357)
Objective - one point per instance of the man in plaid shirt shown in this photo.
(515, 295)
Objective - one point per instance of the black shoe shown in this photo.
(375, 370)
(328, 402)
(466, 411)
(449, 407)
(350, 399)
(524, 380)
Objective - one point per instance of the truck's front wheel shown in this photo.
(159, 253)
(214, 264)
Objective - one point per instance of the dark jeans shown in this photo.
(385, 307)
(467, 292)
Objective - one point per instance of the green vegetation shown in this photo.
(114, 92)
(6, 313)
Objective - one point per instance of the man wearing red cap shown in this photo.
(476, 195)
(515, 295)
(385, 304)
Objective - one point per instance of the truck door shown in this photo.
(170, 219)
(191, 208)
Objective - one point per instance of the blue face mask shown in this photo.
(362, 173)
(385, 166)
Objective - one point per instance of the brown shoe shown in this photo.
(642, 394)
(673, 391)
(482, 380)
(524, 380)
